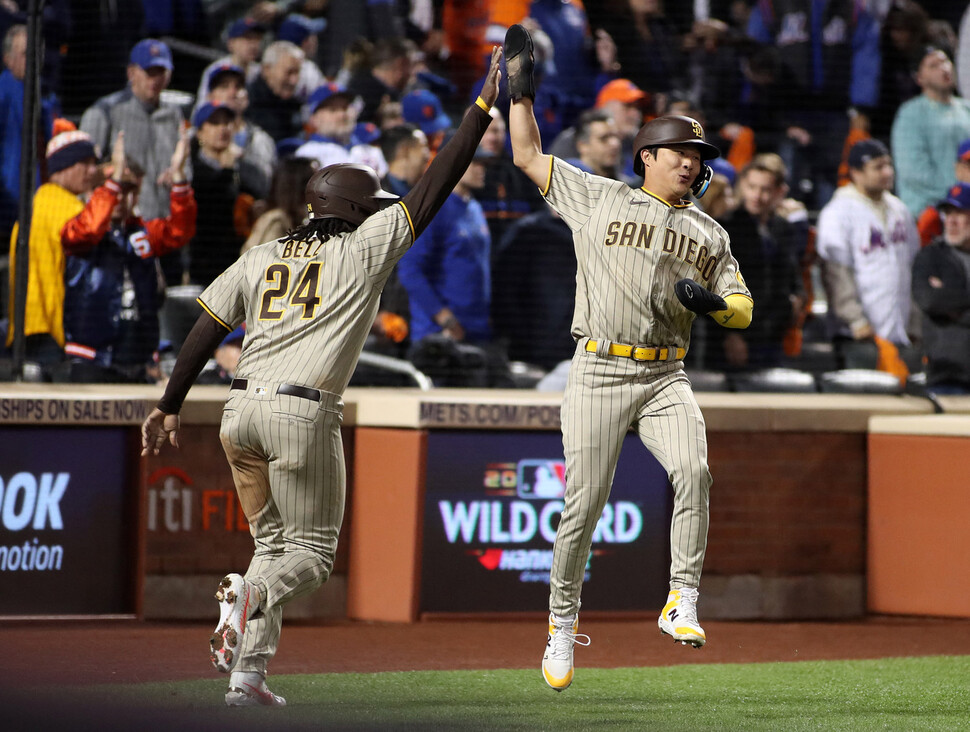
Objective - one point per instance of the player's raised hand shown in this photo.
(490, 87)
(156, 429)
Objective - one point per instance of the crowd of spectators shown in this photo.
(845, 156)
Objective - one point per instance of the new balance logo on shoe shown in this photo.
(679, 618)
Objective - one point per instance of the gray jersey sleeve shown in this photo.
(383, 239)
(224, 298)
(574, 194)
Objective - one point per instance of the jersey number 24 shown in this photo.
(304, 293)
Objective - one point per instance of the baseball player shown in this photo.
(309, 300)
(636, 249)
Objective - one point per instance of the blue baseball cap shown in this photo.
(957, 197)
(366, 133)
(722, 166)
(325, 92)
(864, 151)
(225, 67)
(151, 54)
(205, 112)
(243, 26)
(297, 28)
(423, 108)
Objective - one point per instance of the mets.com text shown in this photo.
(450, 414)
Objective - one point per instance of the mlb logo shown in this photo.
(541, 479)
(259, 390)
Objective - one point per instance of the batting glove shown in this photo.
(698, 298)
(520, 62)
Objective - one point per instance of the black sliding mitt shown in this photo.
(520, 62)
(698, 298)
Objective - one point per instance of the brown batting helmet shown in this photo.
(671, 129)
(345, 191)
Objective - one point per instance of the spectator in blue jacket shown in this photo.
(448, 275)
(112, 292)
(11, 124)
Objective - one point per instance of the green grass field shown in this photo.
(931, 693)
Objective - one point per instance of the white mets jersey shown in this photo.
(878, 242)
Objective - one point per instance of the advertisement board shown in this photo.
(66, 536)
(493, 502)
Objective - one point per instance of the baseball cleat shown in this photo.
(250, 690)
(235, 597)
(679, 618)
(557, 663)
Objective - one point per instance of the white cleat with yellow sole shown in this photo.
(679, 618)
(557, 663)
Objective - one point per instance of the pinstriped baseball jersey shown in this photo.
(631, 248)
(294, 293)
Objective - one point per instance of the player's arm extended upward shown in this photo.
(448, 166)
(527, 145)
(523, 130)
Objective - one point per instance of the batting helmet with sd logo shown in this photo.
(346, 191)
(676, 129)
(671, 129)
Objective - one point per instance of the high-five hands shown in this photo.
(490, 87)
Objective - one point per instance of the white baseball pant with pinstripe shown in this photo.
(604, 397)
(281, 449)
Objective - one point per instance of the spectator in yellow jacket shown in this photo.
(60, 219)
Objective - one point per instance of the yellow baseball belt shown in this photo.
(642, 353)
